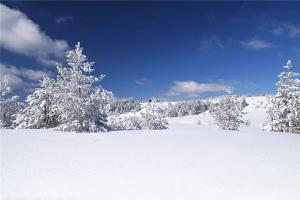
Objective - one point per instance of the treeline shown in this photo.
(75, 101)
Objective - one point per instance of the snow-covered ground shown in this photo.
(186, 161)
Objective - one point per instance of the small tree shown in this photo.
(41, 110)
(227, 112)
(152, 117)
(9, 105)
(284, 109)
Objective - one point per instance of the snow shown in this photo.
(186, 161)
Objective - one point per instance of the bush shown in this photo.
(137, 121)
(193, 107)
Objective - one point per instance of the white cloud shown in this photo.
(62, 19)
(257, 44)
(142, 81)
(192, 88)
(17, 76)
(21, 35)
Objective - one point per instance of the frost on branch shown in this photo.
(284, 109)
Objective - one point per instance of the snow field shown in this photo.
(186, 161)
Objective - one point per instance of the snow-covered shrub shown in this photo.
(149, 117)
(152, 116)
(136, 121)
(284, 107)
(179, 109)
(170, 110)
(41, 110)
(120, 106)
(227, 112)
(127, 121)
(153, 121)
(9, 105)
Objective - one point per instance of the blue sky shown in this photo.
(174, 50)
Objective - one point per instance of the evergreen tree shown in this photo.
(152, 117)
(227, 112)
(71, 102)
(78, 111)
(9, 105)
(284, 109)
(41, 110)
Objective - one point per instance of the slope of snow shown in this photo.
(186, 161)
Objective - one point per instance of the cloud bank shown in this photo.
(21, 35)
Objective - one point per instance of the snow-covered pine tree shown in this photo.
(9, 105)
(78, 112)
(227, 112)
(152, 117)
(41, 110)
(284, 109)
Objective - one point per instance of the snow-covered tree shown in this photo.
(153, 121)
(136, 121)
(78, 111)
(284, 109)
(227, 112)
(121, 106)
(9, 105)
(150, 117)
(153, 117)
(192, 107)
(126, 121)
(71, 102)
(41, 110)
